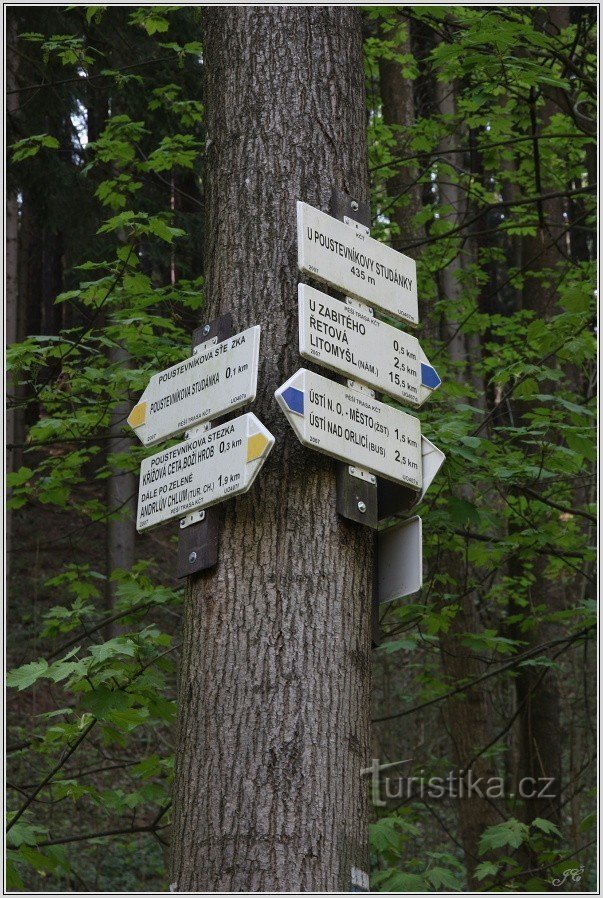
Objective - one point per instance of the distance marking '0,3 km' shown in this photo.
(211, 465)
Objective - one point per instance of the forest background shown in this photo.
(482, 159)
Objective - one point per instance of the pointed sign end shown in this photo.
(294, 400)
(257, 445)
(138, 415)
(429, 377)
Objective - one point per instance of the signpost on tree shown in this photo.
(275, 671)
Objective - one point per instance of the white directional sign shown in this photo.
(215, 380)
(347, 424)
(347, 258)
(209, 466)
(349, 340)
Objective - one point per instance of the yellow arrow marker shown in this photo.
(256, 446)
(138, 415)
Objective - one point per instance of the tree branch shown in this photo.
(531, 653)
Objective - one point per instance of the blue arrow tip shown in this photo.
(294, 400)
(429, 377)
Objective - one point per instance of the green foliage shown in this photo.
(511, 509)
(109, 694)
(31, 146)
(510, 514)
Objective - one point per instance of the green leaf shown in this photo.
(40, 862)
(485, 868)
(511, 833)
(14, 883)
(24, 832)
(18, 478)
(120, 645)
(383, 834)
(406, 882)
(22, 677)
(588, 822)
(102, 701)
(160, 229)
(440, 876)
(545, 826)
(31, 146)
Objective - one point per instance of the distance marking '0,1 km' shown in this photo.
(215, 380)
(349, 425)
(211, 465)
(348, 259)
(350, 341)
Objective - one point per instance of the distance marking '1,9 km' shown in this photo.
(211, 465)
(348, 340)
(346, 258)
(215, 380)
(347, 424)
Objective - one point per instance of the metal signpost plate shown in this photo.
(348, 259)
(394, 499)
(351, 426)
(400, 560)
(209, 466)
(216, 379)
(198, 543)
(350, 341)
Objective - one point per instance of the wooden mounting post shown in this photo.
(353, 493)
(198, 543)
(356, 498)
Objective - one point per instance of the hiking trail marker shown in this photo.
(216, 379)
(342, 254)
(387, 463)
(351, 341)
(210, 465)
(350, 425)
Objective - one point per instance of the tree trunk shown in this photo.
(468, 718)
(275, 672)
(537, 690)
(398, 108)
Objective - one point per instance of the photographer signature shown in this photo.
(574, 872)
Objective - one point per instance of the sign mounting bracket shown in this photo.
(198, 539)
(356, 492)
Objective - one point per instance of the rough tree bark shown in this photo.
(398, 109)
(275, 671)
(397, 741)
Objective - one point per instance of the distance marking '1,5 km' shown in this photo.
(349, 425)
